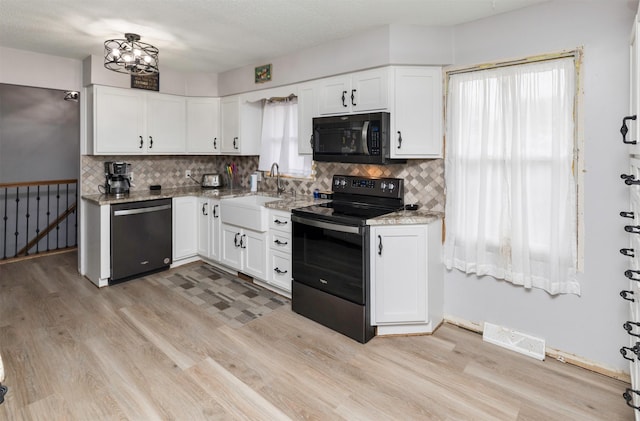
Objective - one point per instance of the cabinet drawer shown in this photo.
(280, 221)
(280, 266)
(280, 241)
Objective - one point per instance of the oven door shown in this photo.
(330, 257)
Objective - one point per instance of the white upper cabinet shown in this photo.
(354, 93)
(166, 123)
(203, 126)
(241, 126)
(127, 121)
(417, 113)
(632, 122)
(119, 124)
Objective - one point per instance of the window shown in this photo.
(511, 206)
(280, 139)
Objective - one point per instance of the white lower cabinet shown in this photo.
(204, 230)
(244, 250)
(279, 271)
(214, 229)
(406, 278)
(185, 227)
(209, 228)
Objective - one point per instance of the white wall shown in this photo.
(25, 68)
(589, 326)
(394, 44)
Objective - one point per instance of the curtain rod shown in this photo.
(577, 53)
(281, 98)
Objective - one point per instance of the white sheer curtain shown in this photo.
(280, 140)
(511, 195)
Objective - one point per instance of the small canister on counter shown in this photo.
(316, 194)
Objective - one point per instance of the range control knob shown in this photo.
(392, 186)
(336, 182)
(383, 185)
(343, 182)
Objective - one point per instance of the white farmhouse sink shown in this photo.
(247, 211)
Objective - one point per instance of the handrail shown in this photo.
(47, 230)
(38, 183)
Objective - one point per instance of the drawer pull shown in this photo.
(627, 395)
(624, 350)
(627, 252)
(280, 272)
(625, 294)
(633, 229)
(629, 274)
(281, 243)
(279, 222)
(627, 214)
(628, 326)
(624, 130)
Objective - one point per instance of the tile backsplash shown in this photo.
(423, 179)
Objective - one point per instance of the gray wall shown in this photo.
(589, 326)
(39, 134)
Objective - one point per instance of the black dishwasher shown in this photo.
(140, 238)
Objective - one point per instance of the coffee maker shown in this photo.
(117, 178)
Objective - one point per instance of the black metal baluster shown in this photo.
(48, 214)
(66, 220)
(38, 220)
(15, 252)
(27, 214)
(75, 213)
(57, 216)
(5, 218)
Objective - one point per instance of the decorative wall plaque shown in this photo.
(148, 82)
(263, 73)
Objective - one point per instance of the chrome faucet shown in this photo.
(279, 188)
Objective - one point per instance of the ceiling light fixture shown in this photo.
(130, 56)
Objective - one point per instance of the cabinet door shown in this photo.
(399, 274)
(215, 230)
(119, 121)
(307, 110)
(231, 253)
(334, 95)
(166, 126)
(417, 113)
(634, 97)
(203, 126)
(230, 115)
(254, 245)
(185, 227)
(369, 90)
(204, 229)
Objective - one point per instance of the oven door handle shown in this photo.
(326, 225)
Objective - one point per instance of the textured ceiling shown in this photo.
(219, 35)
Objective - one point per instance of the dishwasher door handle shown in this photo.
(136, 211)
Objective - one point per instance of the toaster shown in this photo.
(211, 181)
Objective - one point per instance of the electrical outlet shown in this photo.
(187, 174)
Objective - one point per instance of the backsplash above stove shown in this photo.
(423, 179)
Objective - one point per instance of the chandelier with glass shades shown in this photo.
(130, 56)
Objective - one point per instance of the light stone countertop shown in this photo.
(405, 217)
(288, 202)
(137, 196)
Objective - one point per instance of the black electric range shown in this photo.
(330, 253)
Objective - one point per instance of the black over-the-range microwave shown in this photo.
(354, 138)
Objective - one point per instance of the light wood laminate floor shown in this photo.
(138, 351)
